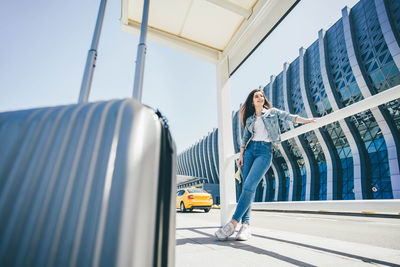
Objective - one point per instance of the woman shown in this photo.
(261, 131)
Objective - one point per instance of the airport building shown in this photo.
(354, 158)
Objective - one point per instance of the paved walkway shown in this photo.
(197, 246)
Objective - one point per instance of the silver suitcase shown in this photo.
(87, 185)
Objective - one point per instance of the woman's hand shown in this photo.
(305, 120)
(311, 120)
(240, 161)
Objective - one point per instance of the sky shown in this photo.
(44, 46)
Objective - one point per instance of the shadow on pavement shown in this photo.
(211, 239)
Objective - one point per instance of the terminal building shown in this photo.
(355, 158)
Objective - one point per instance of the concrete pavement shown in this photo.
(196, 244)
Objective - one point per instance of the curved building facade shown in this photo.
(354, 158)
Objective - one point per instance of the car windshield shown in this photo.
(196, 191)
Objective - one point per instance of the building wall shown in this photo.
(355, 158)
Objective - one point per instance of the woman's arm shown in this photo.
(304, 120)
(243, 142)
(245, 137)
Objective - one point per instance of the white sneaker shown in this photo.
(223, 233)
(244, 233)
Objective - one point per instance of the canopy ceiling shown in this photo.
(208, 29)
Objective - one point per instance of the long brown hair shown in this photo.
(248, 109)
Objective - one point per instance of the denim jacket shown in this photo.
(270, 118)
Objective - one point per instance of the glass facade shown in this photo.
(326, 163)
(319, 177)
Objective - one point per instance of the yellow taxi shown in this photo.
(188, 199)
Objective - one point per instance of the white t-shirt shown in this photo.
(260, 133)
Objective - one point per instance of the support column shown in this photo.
(187, 158)
(281, 177)
(271, 87)
(183, 167)
(343, 124)
(376, 112)
(280, 147)
(388, 31)
(292, 174)
(179, 165)
(196, 159)
(277, 184)
(214, 148)
(186, 163)
(325, 150)
(183, 164)
(296, 139)
(202, 167)
(264, 189)
(207, 159)
(204, 159)
(225, 142)
(189, 170)
(201, 163)
(193, 160)
(209, 148)
(196, 156)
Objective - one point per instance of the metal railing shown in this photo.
(363, 105)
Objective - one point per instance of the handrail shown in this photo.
(365, 104)
(365, 206)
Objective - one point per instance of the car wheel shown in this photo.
(183, 209)
(207, 209)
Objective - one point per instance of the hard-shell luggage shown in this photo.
(87, 185)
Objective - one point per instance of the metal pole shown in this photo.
(92, 54)
(141, 53)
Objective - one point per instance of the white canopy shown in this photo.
(208, 29)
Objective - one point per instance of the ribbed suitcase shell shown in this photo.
(81, 185)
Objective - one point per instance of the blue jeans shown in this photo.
(257, 159)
